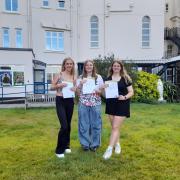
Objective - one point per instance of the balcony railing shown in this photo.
(170, 33)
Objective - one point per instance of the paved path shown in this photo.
(7, 106)
(4, 106)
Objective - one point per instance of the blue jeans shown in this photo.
(89, 125)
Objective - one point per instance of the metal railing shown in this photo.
(27, 90)
(171, 32)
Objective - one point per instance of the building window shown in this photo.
(52, 72)
(19, 38)
(61, 4)
(146, 32)
(54, 40)
(169, 50)
(94, 39)
(11, 5)
(166, 7)
(45, 3)
(169, 75)
(6, 37)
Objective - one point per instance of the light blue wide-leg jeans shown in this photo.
(89, 125)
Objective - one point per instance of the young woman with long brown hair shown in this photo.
(118, 108)
(89, 109)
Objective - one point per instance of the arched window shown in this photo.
(146, 31)
(94, 39)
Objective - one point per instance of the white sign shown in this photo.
(67, 91)
(112, 90)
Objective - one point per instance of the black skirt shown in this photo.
(118, 107)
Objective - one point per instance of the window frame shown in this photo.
(55, 38)
(146, 32)
(45, 1)
(61, 7)
(4, 36)
(11, 6)
(21, 39)
(94, 32)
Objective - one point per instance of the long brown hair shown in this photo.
(63, 66)
(84, 73)
(123, 73)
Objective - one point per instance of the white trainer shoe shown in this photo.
(108, 153)
(68, 151)
(60, 155)
(117, 149)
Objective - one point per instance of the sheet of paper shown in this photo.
(89, 86)
(66, 91)
(112, 90)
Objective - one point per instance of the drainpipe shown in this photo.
(71, 28)
(78, 4)
(104, 28)
(29, 23)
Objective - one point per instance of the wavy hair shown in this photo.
(123, 73)
(63, 65)
(84, 73)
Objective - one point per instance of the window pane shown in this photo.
(61, 42)
(61, 4)
(19, 38)
(49, 77)
(94, 38)
(94, 44)
(94, 25)
(145, 44)
(45, 3)
(145, 38)
(48, 40)
(94, 19)
(145, 31)
(145, 25)
(48, 34)
(146, 19)
(14, 5)
(54, 40)
(6, 37)
(94, 31)
(8, 5)
(48, 43)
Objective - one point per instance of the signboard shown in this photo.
(6, 78)
(18, 78)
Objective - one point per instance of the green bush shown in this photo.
(103, 64)
(171, 92)
(145, 87)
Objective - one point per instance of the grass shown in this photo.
(150, 146)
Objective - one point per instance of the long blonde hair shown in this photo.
(63, 66)
(84, 73)
(123, 73)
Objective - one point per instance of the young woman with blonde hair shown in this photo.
(64, 106)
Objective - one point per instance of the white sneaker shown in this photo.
(108, 153)
(117, 148)
(68, 151)
(60, 155)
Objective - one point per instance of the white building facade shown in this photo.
(81, 29)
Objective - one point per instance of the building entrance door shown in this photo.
(39, 81)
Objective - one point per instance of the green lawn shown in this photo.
(150, 142)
